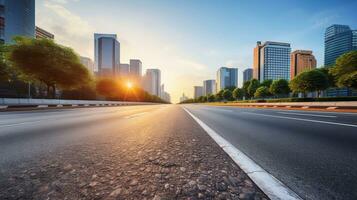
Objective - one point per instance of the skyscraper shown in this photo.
(247, 75)
(272, 61)
(124, 70)
(135, 68)
(197, 91)
(88, 63)
(209, 87)
(183, 97)
(106, 54)
(256, 61)
(226, 77)
(17, 17)
(339, 39)
(301, 60)
(152, 82)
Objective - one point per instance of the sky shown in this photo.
(188, 40)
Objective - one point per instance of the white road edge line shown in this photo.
(302, 114)
(306, 120)
(271, 186)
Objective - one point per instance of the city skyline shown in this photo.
(167, 49)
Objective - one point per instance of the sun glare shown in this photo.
(129, 85)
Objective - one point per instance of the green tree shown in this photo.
(267, 83)
(210, 98)
(279, 87)
(262, 92)
(230, 88)
(227, 95)
(253, 86)
(50, 63)
(4, 65)
(309, 81)
(245, 89)
(219, 95)
(345, 70)
(330, 77)
(238, 93)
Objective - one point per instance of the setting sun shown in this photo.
(129, 85)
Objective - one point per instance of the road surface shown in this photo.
(135, 152)
(313, 153)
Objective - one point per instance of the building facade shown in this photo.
(135, 67)
(301, 60)
(226, 77)
(88, 63)
(247, 75)
(256, 61)
(106, 54)
(43, 34)
(209, 87)
(339, 39)
(17, 18)
(152, 82)
(183, 97)
(197, 91)
(272, 61)
(124, 70)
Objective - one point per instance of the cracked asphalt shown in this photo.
(136, 152)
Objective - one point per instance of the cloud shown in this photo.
(69, 29)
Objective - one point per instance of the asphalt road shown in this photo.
(313, 153)
(133, 152)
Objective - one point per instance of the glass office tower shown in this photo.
(339, 39)
(106, 54)
(17, 18)
(274, 61)
(226, 77)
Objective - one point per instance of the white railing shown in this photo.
(6, 102)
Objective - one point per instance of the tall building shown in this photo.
(43, 34)
(256, 61)
(198, 91)
(339, 39)
(226, 77)
(106, 54)
(301, 60)
(183, 97)
(17, 18)
(152, 82)
(209, 87)
(247, 75)
(271, 61)
(135, 68)
(88, 63)
(124, 69)
(165, 95)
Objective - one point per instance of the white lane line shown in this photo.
(271, 186)
(302, 114)
(21, 123)
(135, 115)
(300, 119)
(217, 109)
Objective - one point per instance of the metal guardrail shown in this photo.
(18, 102)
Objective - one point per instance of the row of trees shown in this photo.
(342, 74)
(51, 68)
